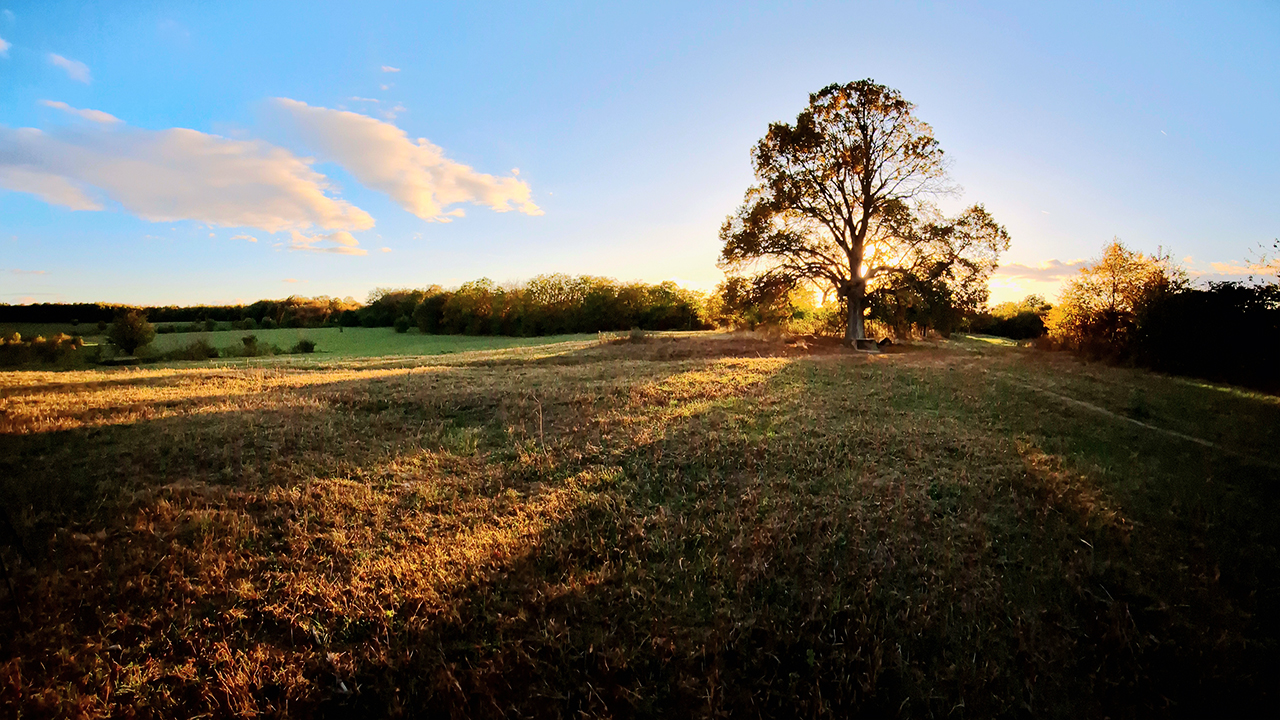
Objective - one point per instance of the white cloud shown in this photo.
(357, 98)
(76, 70)
(8, 15)
(16, 271)
(290, 280)
(4, 47)
(1014, 281)
(1047, 271)
(388, 68)
(1229, 268)
(416, 175)
(92, 115)
(385, 249)
(51, 187)
(174, 174)
(250, 238)
(340, 243)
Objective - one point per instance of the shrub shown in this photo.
(304, 346)
(248, 324)
(131, 331)
(57, 349)
(403, 323)
(199, 350)
(268, 324)
(210, 326)
(1248, 315)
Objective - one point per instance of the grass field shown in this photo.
(694, 526)
(360, 342)
(330, 342)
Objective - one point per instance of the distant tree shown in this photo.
(1021, 320)
(751, 302)
(1098, 308)
(403, 323)
(131, 331)
(842, 201)
(427, 316)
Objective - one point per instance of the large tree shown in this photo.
(843, 201)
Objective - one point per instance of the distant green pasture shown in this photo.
(358, 342)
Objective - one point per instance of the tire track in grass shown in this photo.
(1172, 433)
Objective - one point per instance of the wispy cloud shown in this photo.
(4, 47)
(174, 174)
(76, 70)
(291, 280)
(388, 68)
(250, 238)
(92, 115)
(1232, 271)
(1232, 268)
(15, 271)
(357, 98)
(1047, 271)
(339, 243)
(416, 175)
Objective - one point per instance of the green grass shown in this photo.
(359, 342)
(672, 527)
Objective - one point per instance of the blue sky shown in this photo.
(594, 138)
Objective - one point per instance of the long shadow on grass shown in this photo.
(988, 587)
(837, 539)
(177, 530)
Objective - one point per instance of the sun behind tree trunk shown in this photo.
(842, 201)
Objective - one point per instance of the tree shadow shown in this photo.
(698, 537)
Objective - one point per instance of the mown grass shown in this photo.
(678, 526)
(360, 342)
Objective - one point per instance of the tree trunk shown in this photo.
(855, 330)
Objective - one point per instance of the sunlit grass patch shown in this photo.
(688, 526)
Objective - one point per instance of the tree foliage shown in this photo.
(554, 304)
(131, 331)
(1098, 309)
(843, 201)
(1022, 320)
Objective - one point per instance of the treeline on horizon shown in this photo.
(545, 305)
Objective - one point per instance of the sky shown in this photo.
(179, 153)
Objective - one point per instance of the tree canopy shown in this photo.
(1098, 308)
(843, 200)
(131, 331)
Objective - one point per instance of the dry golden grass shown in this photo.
(690, 527)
